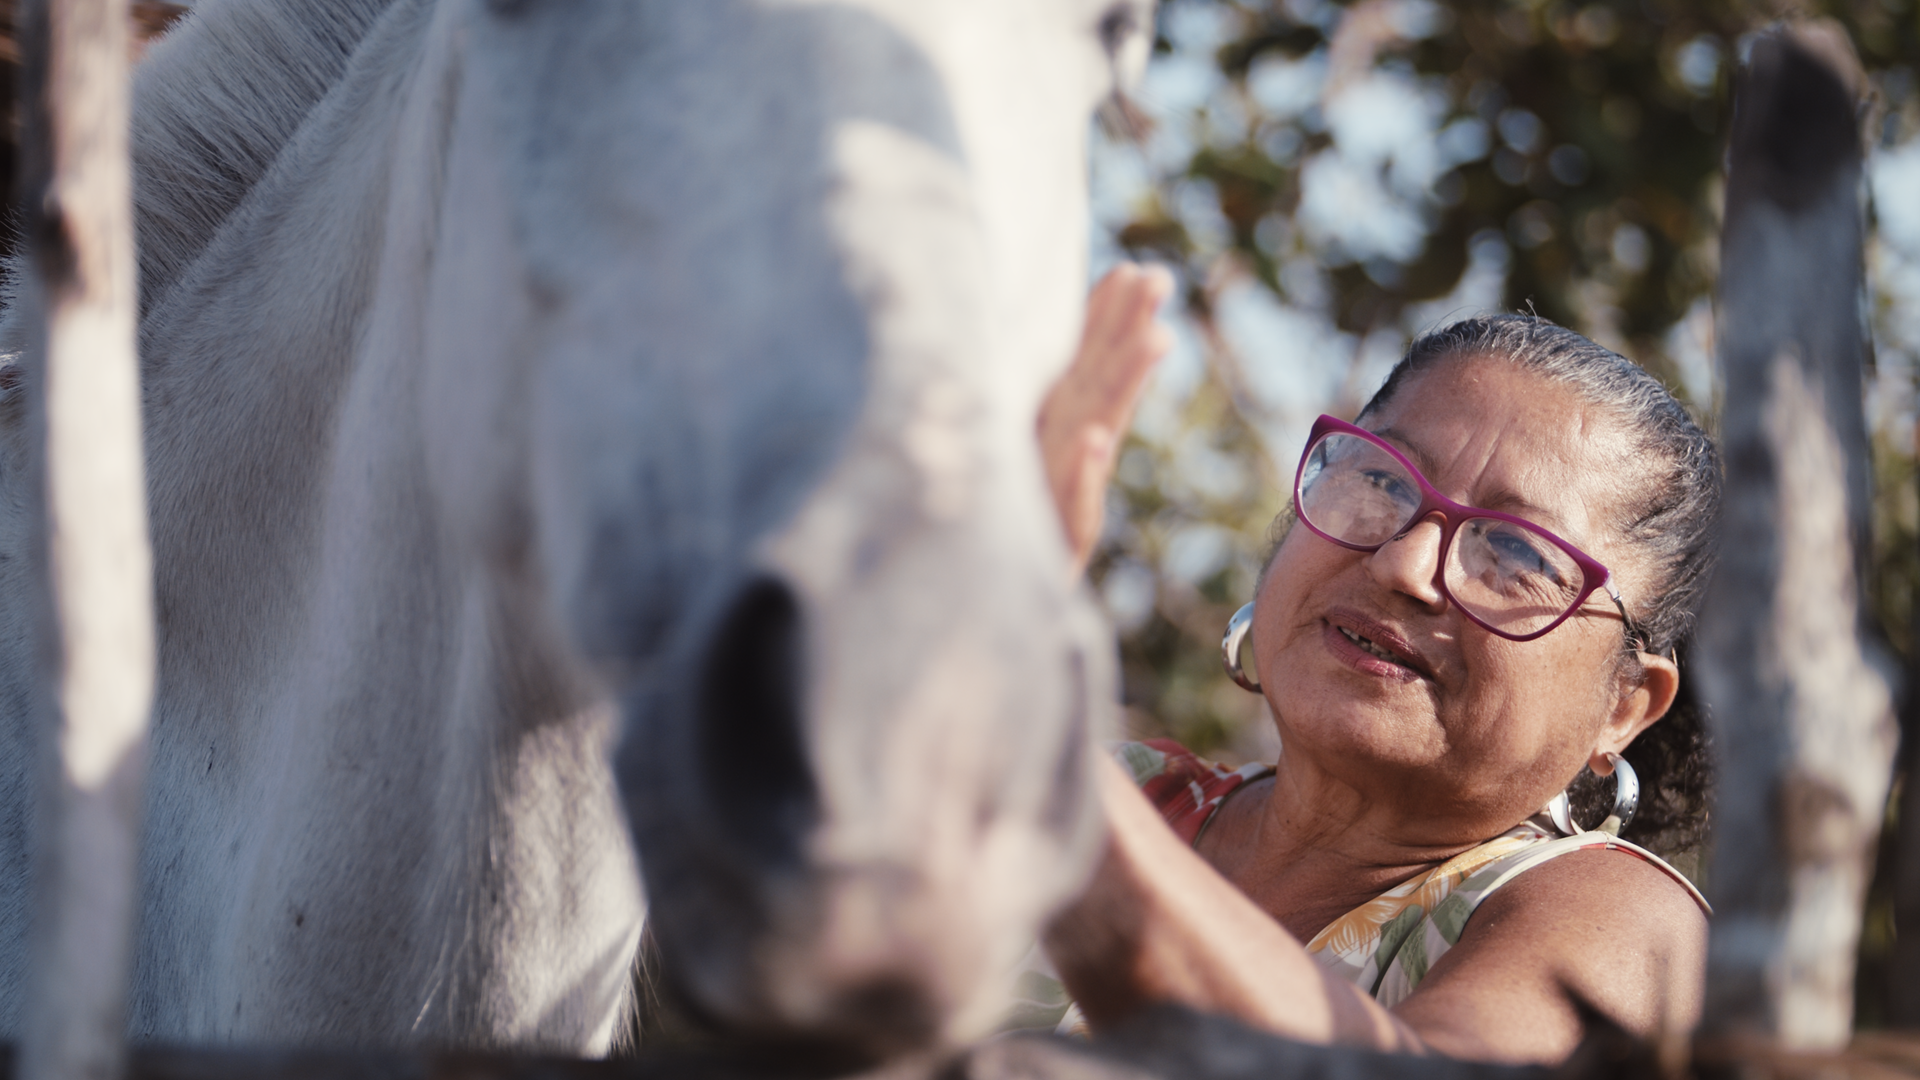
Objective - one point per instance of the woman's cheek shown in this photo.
(1280, 603)
(1543, 712)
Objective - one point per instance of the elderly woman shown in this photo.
(1475, 599)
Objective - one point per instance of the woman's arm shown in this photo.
(1601, 928)
(1159, 924)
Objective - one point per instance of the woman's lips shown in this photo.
(1368, 647)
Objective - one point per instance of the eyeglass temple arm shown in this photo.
(1634, 636)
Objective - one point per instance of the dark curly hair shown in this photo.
(1676, 523)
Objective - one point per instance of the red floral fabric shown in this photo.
(1186, 788)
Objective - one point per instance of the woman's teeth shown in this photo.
(1371, 647)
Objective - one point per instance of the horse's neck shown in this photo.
(344, 686)
(215, 103)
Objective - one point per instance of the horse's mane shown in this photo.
(214, 103)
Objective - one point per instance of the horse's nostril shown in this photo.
(892, 1015)
(1120, 22)
(752, 752)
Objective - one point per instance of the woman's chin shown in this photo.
(1374, 734)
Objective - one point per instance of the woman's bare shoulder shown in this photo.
(1596, 891)
(1602, 929)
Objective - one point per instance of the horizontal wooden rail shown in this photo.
(1170, 1043)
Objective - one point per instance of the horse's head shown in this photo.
(796, 276)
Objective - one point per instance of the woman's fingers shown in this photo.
(1093, 402)
(1123, 340)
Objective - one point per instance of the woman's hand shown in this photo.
(1087, 411)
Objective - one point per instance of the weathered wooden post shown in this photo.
(1803, 723)
(76, 190)
(1903, 972)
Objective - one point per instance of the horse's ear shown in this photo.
(751, 725)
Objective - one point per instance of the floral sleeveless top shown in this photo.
(1385, 946)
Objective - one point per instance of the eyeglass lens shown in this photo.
(1511, 577)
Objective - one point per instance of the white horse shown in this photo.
(568, 415)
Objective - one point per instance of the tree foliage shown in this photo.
(1330, 178)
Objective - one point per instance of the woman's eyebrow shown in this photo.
(1502, 499)
(1401, 443)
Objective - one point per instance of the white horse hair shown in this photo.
(573, 422)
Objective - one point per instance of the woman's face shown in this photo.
(1465, 730)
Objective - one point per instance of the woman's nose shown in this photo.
(1411, 564)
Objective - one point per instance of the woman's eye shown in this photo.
(1383, 480)
(1519, 554)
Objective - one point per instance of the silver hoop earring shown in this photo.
(1237, 629)
(1626, 800)
(1560, 812)
(1626, 795)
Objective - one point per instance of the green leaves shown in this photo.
(1353, 173)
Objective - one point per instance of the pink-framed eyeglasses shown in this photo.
(1508, 575)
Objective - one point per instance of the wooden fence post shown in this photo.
(1903, 967)
(77, 191)
(1802, 722)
